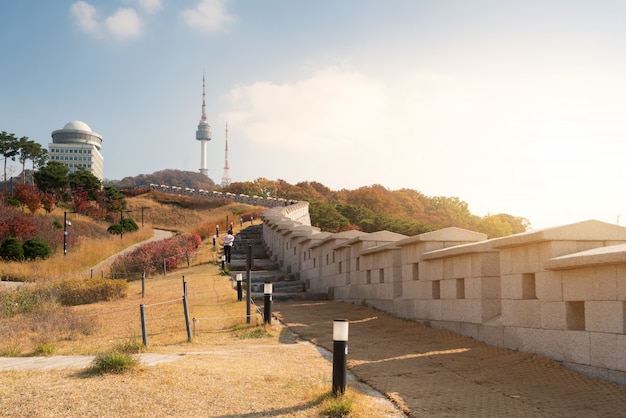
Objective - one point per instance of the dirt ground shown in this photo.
(435, 373)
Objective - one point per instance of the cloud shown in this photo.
(150, 6)
(334, 109)
(125, 23)
(208, 15)
(85, 16)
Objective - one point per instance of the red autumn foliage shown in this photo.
(150, 257)
(28, 196)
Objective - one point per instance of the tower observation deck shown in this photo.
(203, 134)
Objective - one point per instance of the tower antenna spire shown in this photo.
(203, 100)
(226, 177)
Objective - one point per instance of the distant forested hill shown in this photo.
(179, 178)
(368, 208)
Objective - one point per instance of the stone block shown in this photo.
(576, 346)
(458, 310)
(604, 350)
(513, 338)
(486, 309)
(449, 289)
(591, 283)
(620, 277)
(433, 270)
(469, 330)
(553, 315)
(605, 316)
(428, 310)
(491, 334)
(548, 286)
(540, 341)
(526, 259)
(482, 288)
(485, 264)
(521, 313)
(518, 286)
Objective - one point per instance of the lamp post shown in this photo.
(267, 303)
(239, 287)
(340, 355)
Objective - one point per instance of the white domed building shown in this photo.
(77, 146)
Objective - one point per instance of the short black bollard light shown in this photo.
(214, 240)
(223, 262)
(267, 303)
(340, 355)
(239, 287)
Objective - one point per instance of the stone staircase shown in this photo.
(284, 286)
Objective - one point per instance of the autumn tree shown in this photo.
(27, 196)
(8, 149)
(86, 181)
(28, 150)
(52, 178)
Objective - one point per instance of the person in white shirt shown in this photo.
(229, 239)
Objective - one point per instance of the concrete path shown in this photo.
(74, 362)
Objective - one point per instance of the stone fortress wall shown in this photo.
(558, 292)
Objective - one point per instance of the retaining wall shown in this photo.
(559, 292)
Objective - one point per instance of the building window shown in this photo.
(381, 275)
(416, 271)
(368, 277)
(358, 263)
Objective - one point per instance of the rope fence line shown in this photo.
(162, 303)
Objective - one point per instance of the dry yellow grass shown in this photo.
(220, 375)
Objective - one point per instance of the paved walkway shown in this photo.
(74, 362)
(435, 373)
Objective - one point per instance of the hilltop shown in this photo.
(368, 208)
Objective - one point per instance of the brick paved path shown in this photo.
(435, 373)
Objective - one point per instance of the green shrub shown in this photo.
(22, 300)
(255, 333)
(114, 362)
(129, 225)
(13, 202)
(115, 229)
(10, 351)
(45, 349)
(130, 346)
(57, 224)
(337, 406)
(74, 292)
(36, 248)
(11, 249)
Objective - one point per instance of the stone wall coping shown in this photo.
(590, 230)
(344, 235)
(446, 234)
(614, 254)
(470, 248)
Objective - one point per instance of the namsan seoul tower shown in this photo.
(203, 134)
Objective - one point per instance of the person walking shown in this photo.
(229, 239)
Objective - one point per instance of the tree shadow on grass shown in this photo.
(288, 411)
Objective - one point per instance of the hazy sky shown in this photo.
(514, 107)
